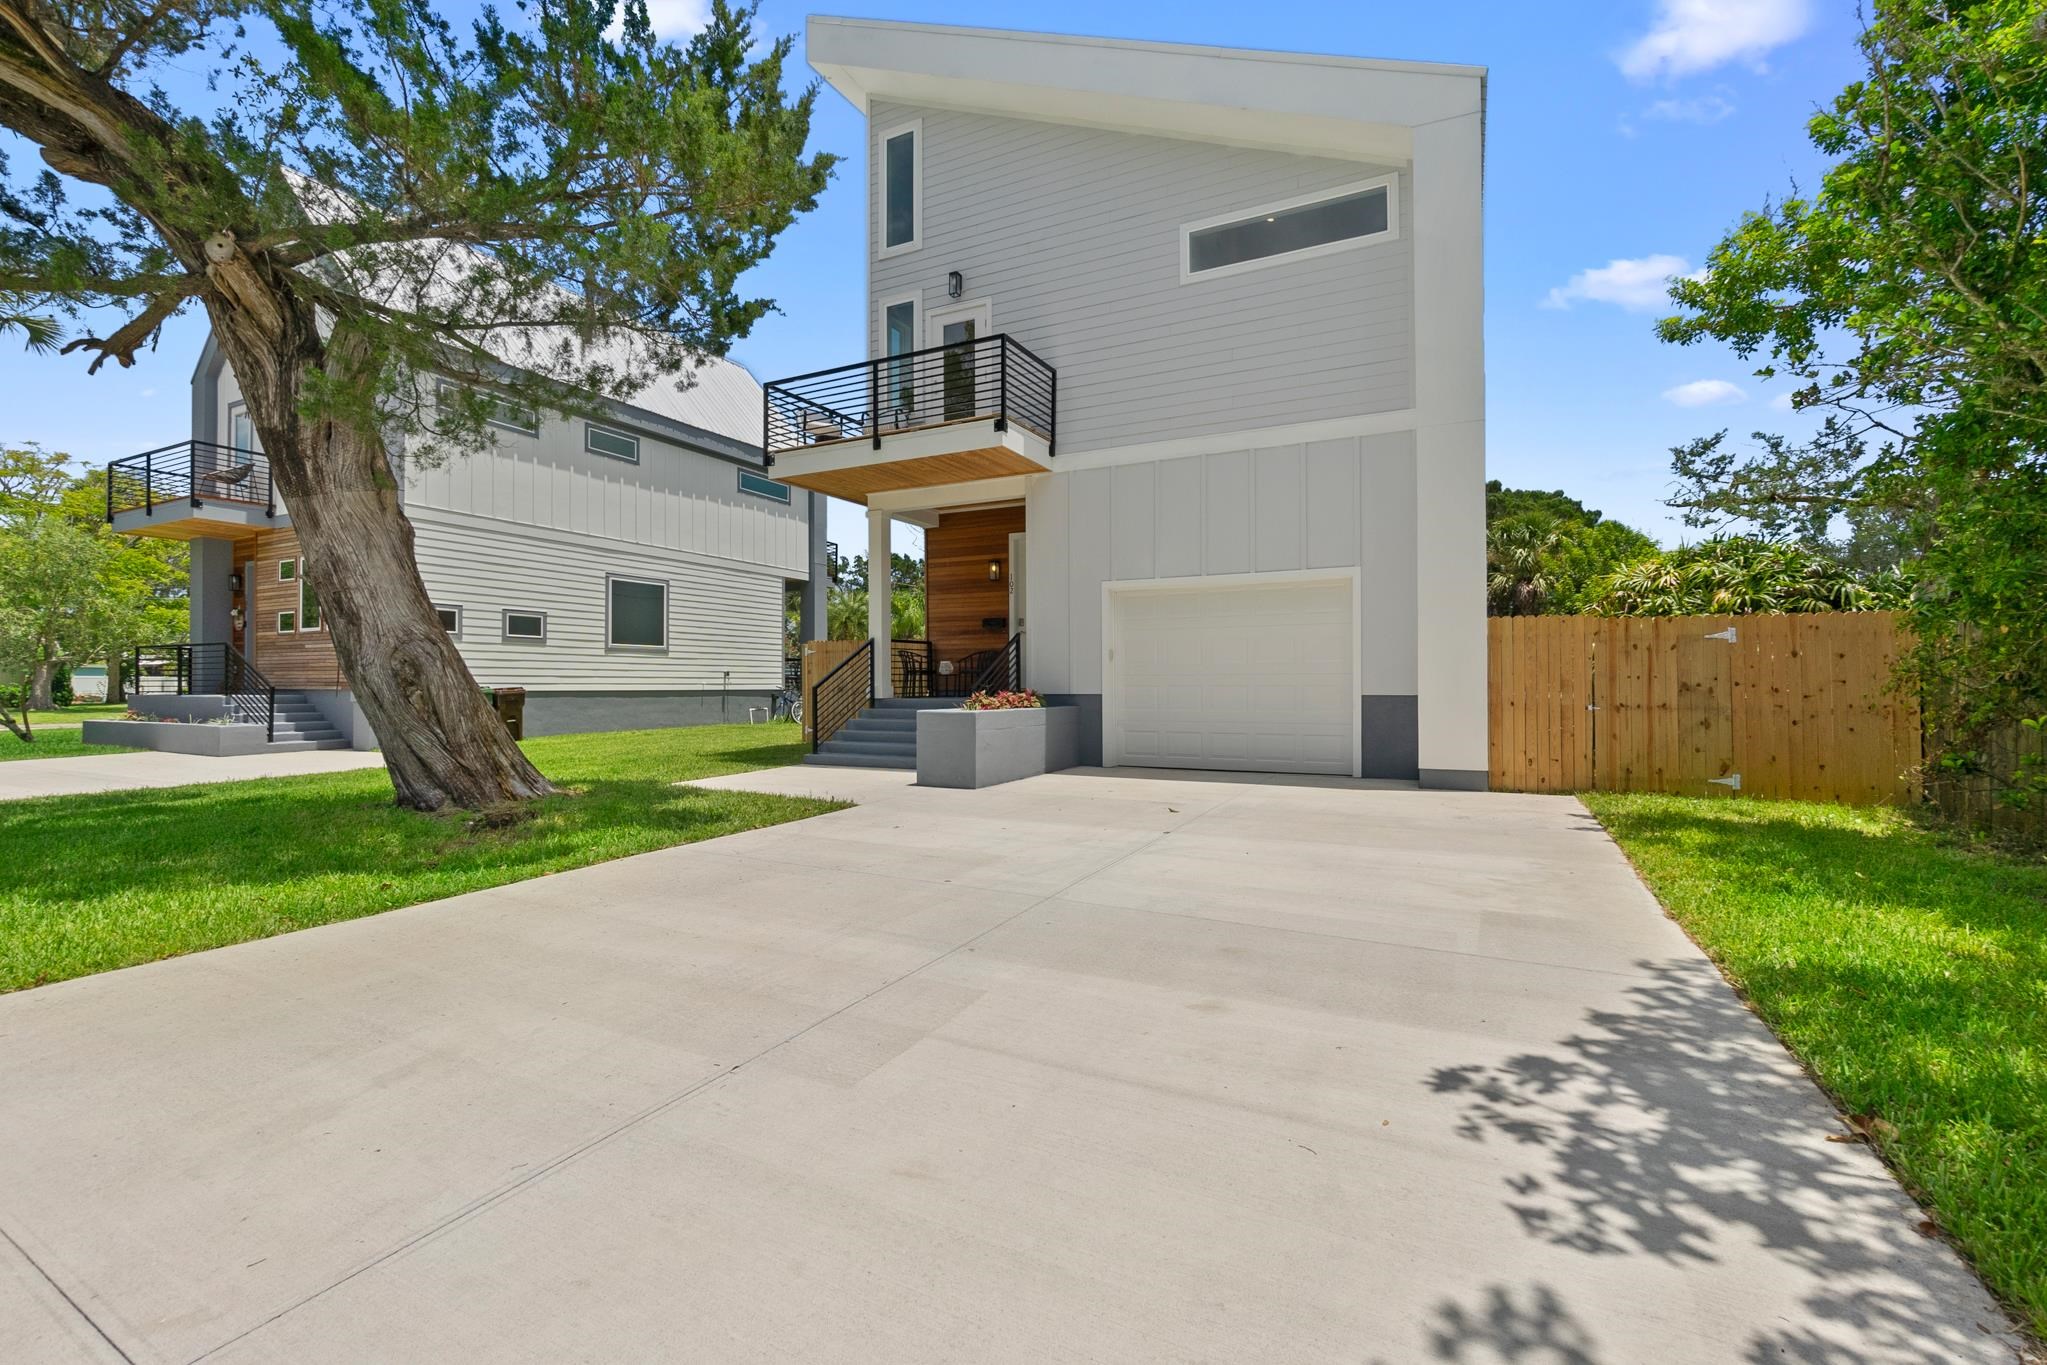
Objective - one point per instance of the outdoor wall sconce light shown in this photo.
(234, 582)
(955, 284)
(994, 571)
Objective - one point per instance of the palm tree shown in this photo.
(42, 333)
(1520, 566)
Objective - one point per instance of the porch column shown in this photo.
(880, 595)
(211, 602)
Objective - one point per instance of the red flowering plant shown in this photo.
(1002, 701)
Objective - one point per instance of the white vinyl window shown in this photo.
(1291, 230)
(762, 487)
(902, 187)
(527, 627)
(636, 614)
(503, 413)
(614, 444)
(451, 619)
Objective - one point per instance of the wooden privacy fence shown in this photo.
(1777, 706)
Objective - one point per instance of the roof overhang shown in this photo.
(1303, 103)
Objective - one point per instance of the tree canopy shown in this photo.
(1738, 576)
(1545, 550)
(1906, 296)
(70, 589)
(549, 206)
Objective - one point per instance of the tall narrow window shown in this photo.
(899, 328)
(309, 601)
(901, 189)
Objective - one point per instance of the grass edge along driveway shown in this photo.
(90, 883)
(1907, 972)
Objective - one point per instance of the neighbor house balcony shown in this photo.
(189, 490)
(969, 411)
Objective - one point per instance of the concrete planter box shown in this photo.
(217, 741)
(983, 748)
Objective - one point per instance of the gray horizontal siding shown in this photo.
(721, 617)
(672, 499)
(1073, 234)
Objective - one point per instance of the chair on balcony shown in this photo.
(219, 480)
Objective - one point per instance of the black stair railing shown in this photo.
(216, 670)
(1003, 672)
(841, 694)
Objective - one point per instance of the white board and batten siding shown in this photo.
(1072, 235)
(1343, 505)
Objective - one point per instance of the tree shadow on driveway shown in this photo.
(1677, 1128)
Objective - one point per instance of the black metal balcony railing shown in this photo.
(995, 376)
(189, 472)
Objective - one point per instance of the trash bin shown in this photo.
(511, 705)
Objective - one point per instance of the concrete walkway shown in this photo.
(25, 777)
(1088, 1068)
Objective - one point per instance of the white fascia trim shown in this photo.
(1221, 442)
(1111, 676)
(947, 496)
(912, 444)
(1314, 104)
(1389, 233)
(914, 127)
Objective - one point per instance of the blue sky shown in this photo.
(1623, 139)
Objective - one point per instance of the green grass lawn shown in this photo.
(89, 883)
(1908, 973)
(55, 742)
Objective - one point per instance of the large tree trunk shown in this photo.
(443, 743)
(117, 679)
(39, 698)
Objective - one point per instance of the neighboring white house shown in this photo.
(1205, 419)
(627, 572)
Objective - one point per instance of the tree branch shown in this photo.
(128, 338)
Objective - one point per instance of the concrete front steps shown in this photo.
(882, 736)
(300, 726)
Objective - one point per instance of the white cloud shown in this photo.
(1690, 36)
(1782, 402)
(1703, 109)
(1641, 285)
(671, 18)
(1704, 393)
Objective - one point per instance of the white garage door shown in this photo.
(1250, 679)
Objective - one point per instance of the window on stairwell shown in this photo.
(309, 602)
(902, 189)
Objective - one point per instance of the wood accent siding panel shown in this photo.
(303, 658)
(1346, 503)
(957, 593)
(724, 620)
(1022, 209)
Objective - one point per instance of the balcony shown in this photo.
(974, 410)
(189, 490)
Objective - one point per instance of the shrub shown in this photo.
(1002, 701)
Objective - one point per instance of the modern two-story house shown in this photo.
(628, 570)
(1176, 353)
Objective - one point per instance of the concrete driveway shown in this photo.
(1089, 1068)
(26, 777)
